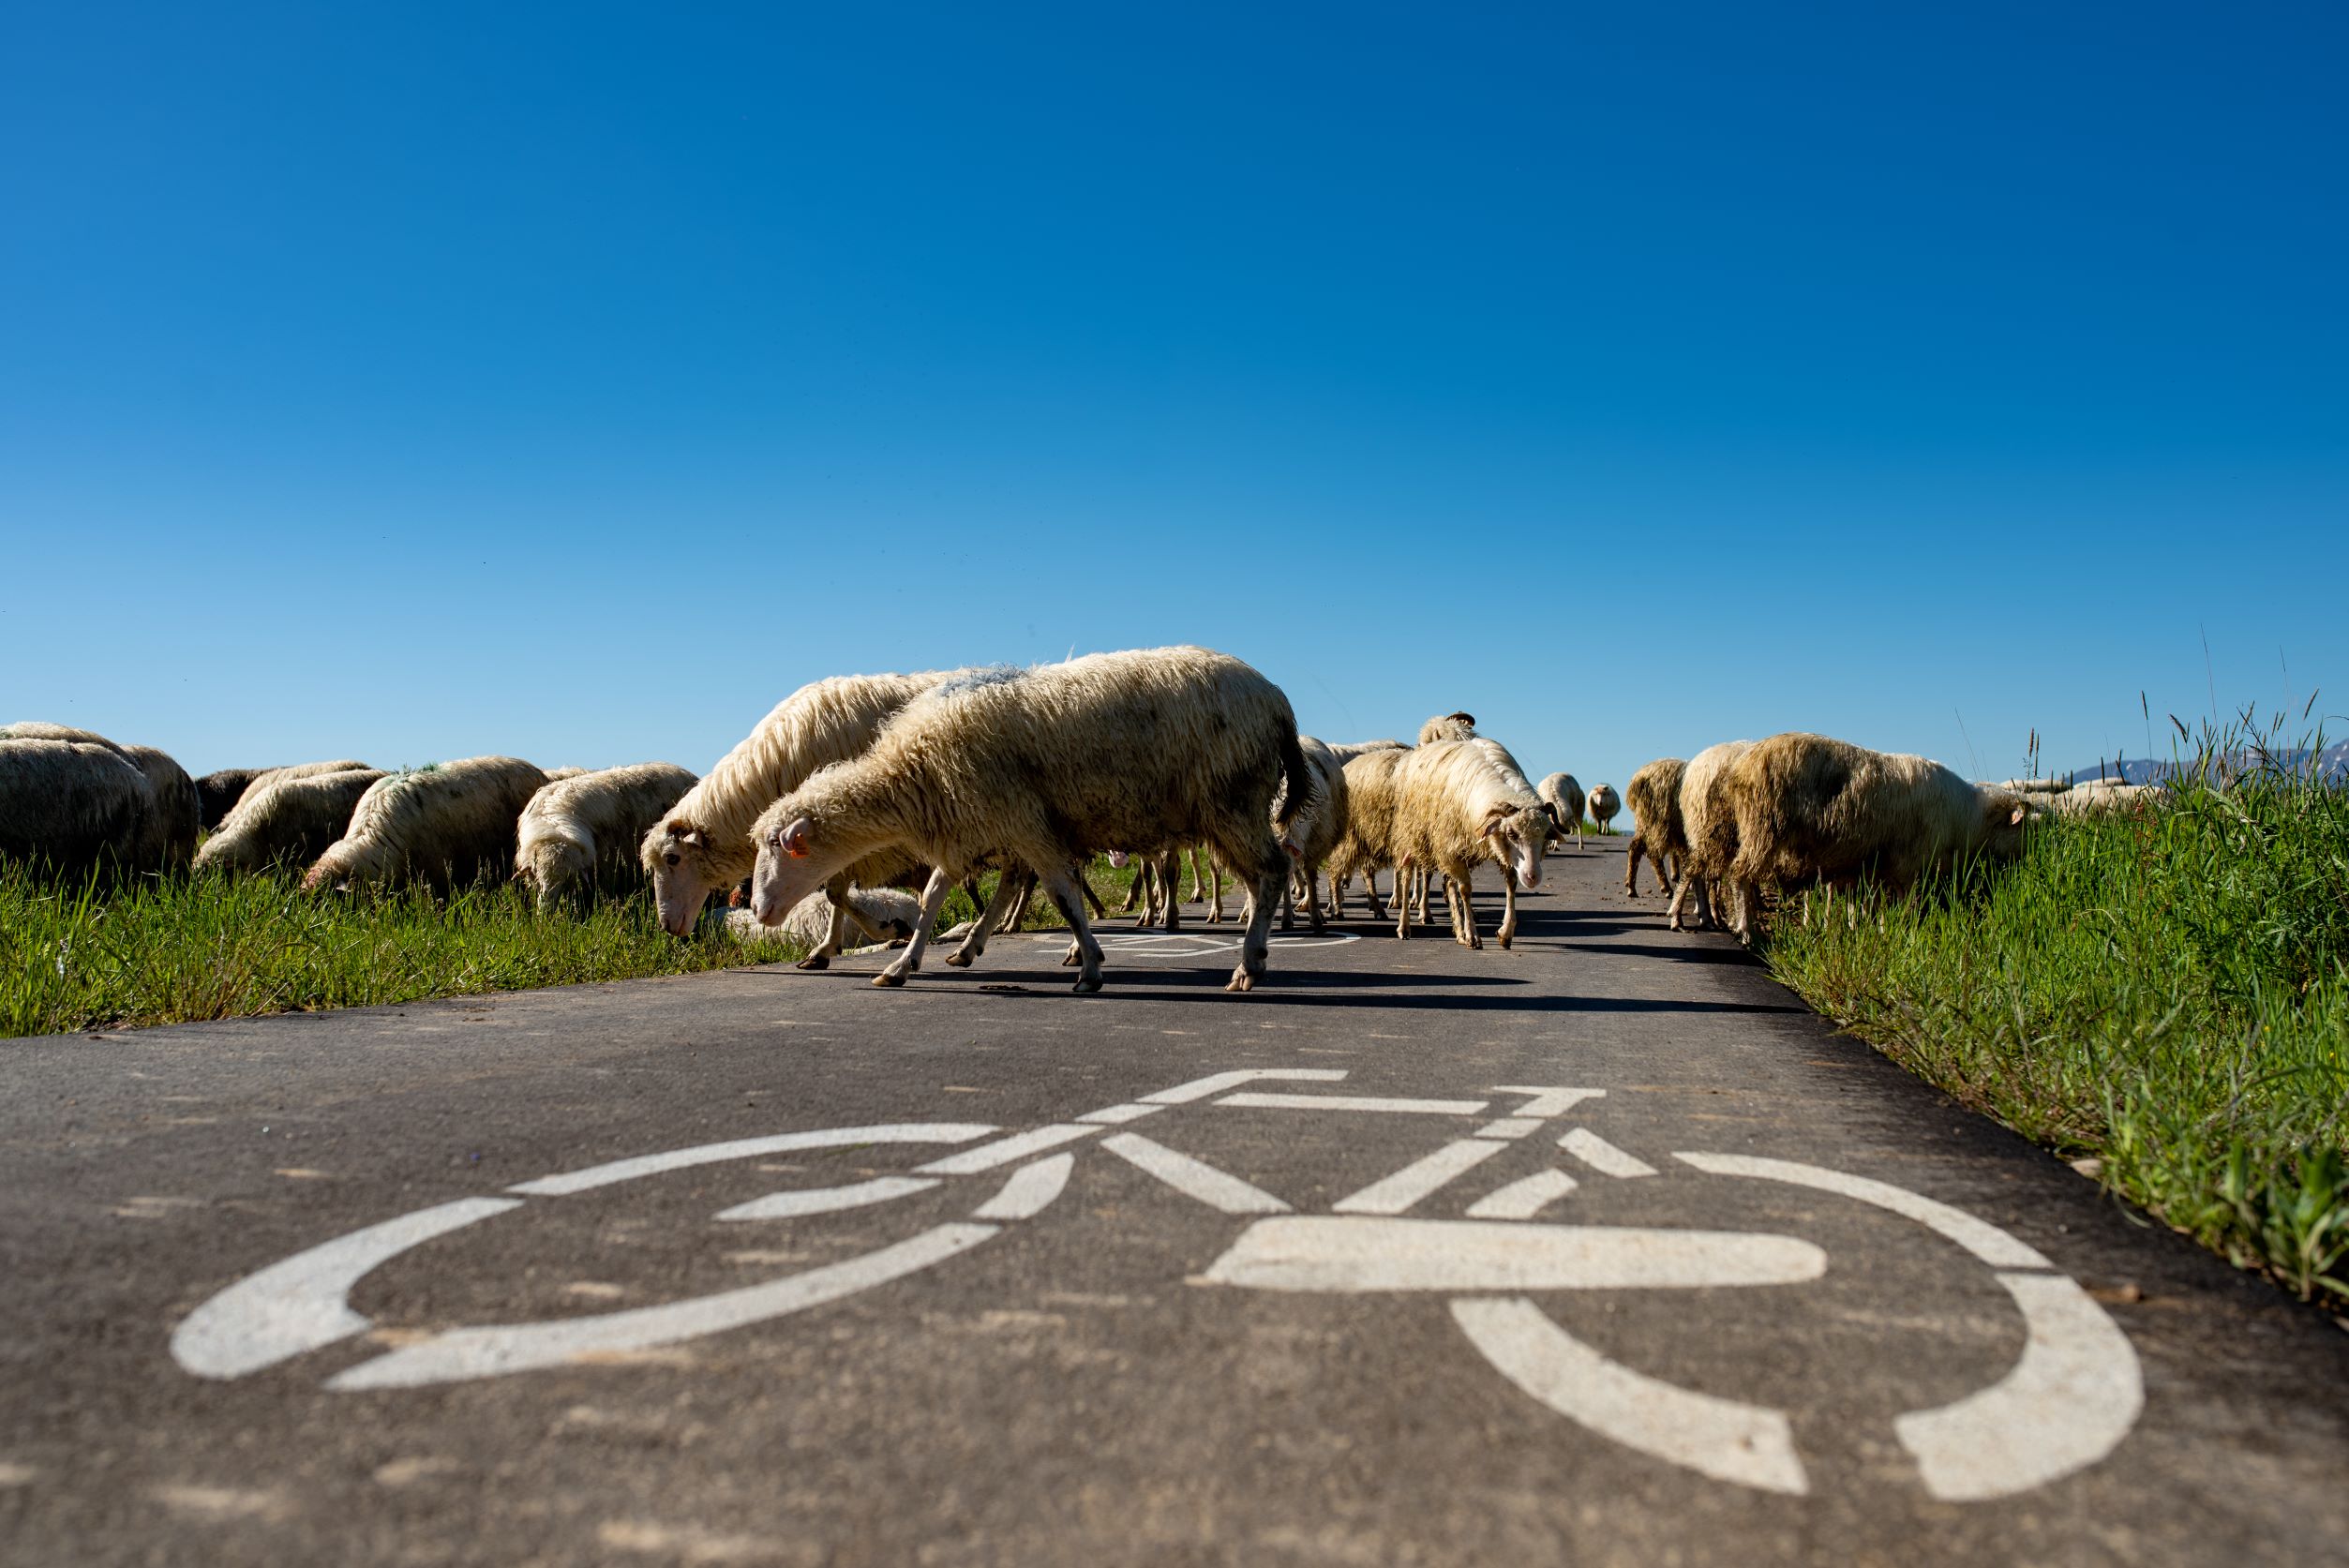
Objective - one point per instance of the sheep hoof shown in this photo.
(958, 961)
(814, 961)
(1087, 985)
(1070, 959)
(889, 978)
(1241, 980)
(1504, 943)
(1477, 944)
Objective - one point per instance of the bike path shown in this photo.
(1601, 1250)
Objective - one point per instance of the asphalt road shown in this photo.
(1598, 1250)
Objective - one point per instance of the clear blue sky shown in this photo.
(418, 380)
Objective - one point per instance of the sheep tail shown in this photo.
(1303, 782)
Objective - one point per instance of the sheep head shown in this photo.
(1517, 835)
(675, 855)
(794, 860)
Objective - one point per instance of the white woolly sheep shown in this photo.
(178, 811)
(1315, 832)
(1564, 796)
(260, 778)
(1814, 810)
(702, 844)
(448, 823)
(1709, 826)
(1656, 832)
(585, 829)
(1459, 802)
(889, 913)
(1367, 845)
(1448, 726)
(71, 808)
(1602, 806)
(286, 820)
(1147, 751)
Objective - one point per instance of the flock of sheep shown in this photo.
(857, 789)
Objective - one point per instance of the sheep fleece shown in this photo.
(446, 825)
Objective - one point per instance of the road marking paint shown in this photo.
(1523, 1200)
(2065, 1405)
(1547, 1101)
(1394, 1194)
(1985, 1241)
(1216, 1082)
(745, 1148)
(1003, 1151)
(300, 1304)
(1509, 1127)
(1194, 1178)
(1603, 1157)
(1726, 1439)
(1114, 1116)
(1354, 1102)
(824, 1200)
(1321, 1252)
(479, 1352)
(1030, 1188)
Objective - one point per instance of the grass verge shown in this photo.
(2164, 991)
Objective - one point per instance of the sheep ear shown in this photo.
(798, 839)
(2015, 818)
(693, 836)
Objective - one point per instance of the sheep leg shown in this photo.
(1172, 878)
(1402, 900)
(1215, 884)
(1465, 912)
(835, 934)
(1508, 908)
(1011, 888)
(1631, 867)
(1313, 901)
(933, 900)
(1062, 889)
(1272, 875)
(1085, 885)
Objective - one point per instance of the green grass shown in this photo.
(2166, 992)
(223, 946)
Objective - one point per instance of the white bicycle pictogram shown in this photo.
(2067, 1402)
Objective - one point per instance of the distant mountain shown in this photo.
(2333, 765)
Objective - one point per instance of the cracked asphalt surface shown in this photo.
(1139, 1365)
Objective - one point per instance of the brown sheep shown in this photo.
(1656, 830)
(1815, 810)
(448, 823)
(286, 818)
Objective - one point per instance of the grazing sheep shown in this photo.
(1147, 751)
(1602, 806)
(1369, 842)
(1448, 726)
(1815, 810)
(1656, 831)
(70, 808)
(703, 841)
(446, 823)
(1564, 796)
(262, 777)
(286, 819)
(217, 793)
(1316, 830)
(889, 913)
(585, 828)
(2101, 800)
(1459, 802)
(1709, 828)
(178, 811)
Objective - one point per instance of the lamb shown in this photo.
(702, 844)
(288, 819)
(1448, 726)
(1147, 750)
(447, 825)
(1708, 829)
(1657, 830)
(1603, 805)
(1316, 831)
(1815, 810)
(1566, 800)
(585, 828)
(178, 811)
(1457, 802)
(72, 808)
